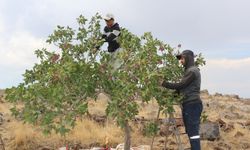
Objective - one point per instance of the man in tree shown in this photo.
(192, 106)
(111, 34)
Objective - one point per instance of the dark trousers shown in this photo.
(191, 113)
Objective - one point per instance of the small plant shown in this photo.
(204, 117)
(150, 129)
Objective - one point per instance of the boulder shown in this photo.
(209, 131)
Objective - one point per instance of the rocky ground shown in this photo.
(227, 127)
(232, 114)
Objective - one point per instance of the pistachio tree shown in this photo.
(55, 92)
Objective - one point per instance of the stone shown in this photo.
(232, 115)
(164, 130)
(142, 147)
(45, 148)
(221, 122)
(224, 145)
(245, 145)
(233, 96)
(1, 118)
(226, 127)
(97, 148)
(209, 131)
(238, 134)
(247, 123)
(205, 92)
(63, 148)
(218, 94)
(229, 127)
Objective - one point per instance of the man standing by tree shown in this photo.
(111, 34)
(192, 107)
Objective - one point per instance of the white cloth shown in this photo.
(116, 62)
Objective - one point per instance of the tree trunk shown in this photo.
(156, 121)
(1, 143)
(127, 140)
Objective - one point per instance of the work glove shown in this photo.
(98, 47)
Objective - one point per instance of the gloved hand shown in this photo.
(104, 36)
(161, 81)
(98, 47)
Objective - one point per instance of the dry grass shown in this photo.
(19, 136)
(89, 132)
(4, 108)
(86, 132)
(98, 107)
(148, 110)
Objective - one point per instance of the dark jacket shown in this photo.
(111, 35)
(189, 85)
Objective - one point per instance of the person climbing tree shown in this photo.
(110, 35)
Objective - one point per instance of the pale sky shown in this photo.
(220, 29)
